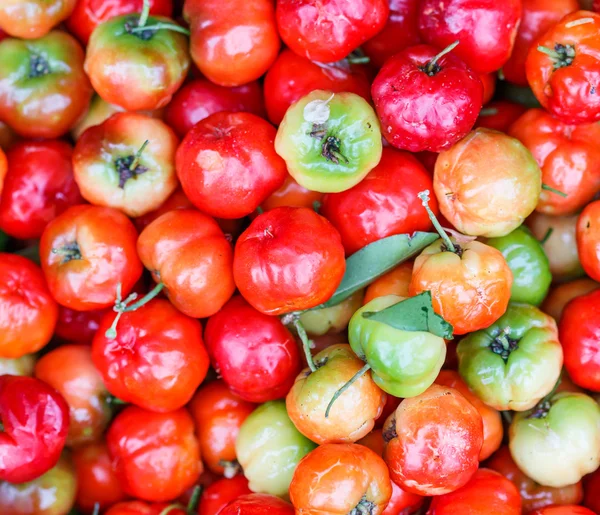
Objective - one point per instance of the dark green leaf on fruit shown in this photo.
(413, 314)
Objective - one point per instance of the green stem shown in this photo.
(138, 154)
(172, 507)
(121, 307)
(305, 343)
(431, 65)
(549, 52)
(547, 235)
(194, 499)
(144, 14)
(363, 59)
(558, 192)
(160, 26)
(352, 380)
(424, 196)
(488, 111)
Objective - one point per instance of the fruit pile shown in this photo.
(312, 257)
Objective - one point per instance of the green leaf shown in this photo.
(376, 259)
(413, 314)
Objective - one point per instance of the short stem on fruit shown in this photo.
(432, 67)
(542, 408)
(171, 507)
(501, 75)
(305, 343)
(230, 468)
(161, 26)
(192, 506)
(124, 306)
(503, 345)
(144, 14)
(352, 380)
(547, 235)
(362, 59)
(138, 154)
(331, 150)
(562, 55)
(424, 196)
(68, 252)
(316, 205)
(111, 400)
(38, 66)
(260, 210)
(364, 507)
(553, 190)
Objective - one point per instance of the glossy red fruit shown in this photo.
(292, 77)
(254, 353)
(588, 239)
(426, 101)
(579, 331)
(28, 313)
(96, 479)
(155, 455)
(564, 75)
(384, 203)
(563, 510)
(537, 17)
(233, 42)
(38, 187)
(77, 326)
(227, 164)
(258, 504)
(328, 30)
(144, 508)
(88, 14)
(219, 414)
(221, 493)
(32, 19)
(69, 370)
(400, 31)
(85, 253)
(568, 156)
(157, 360)
(200, 98)
(126, 162)
(485, 29)
(35, 422)
(295, 243)
(187, 251)
(433, 442)
(486, 492)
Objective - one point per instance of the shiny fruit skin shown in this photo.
(33, 19)
(258, 504)
(157, 360)
(227, 164)
(48, 103)
(187, 251)
(222, 492)
(327, 30)
(218, 414)
(423, 106)
(487, 492)
(233, 42)
(568, 156)
(486, 29)
(384, 203)
(578, 332)
(38, 187)
(28, 310)
(104, 157)
(88, 14)
(199, 98)
(254, 353)
(295, 243)
(85, 253)
(155, 455)
(70, 370)
(433, 442)
(339, 478)
(96, 479)
(35, 420)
